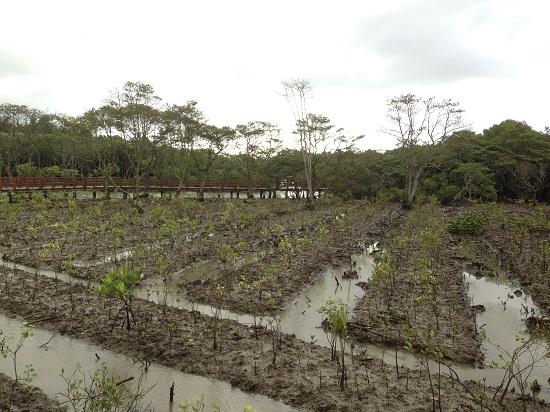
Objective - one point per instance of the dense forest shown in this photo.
(136, 135)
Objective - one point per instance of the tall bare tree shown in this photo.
(418, 125)
(312, 129)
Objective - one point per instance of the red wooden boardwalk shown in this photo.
(29, 184)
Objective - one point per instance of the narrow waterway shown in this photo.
(503, 319)
(65, 352)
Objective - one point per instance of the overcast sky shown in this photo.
(491, 55)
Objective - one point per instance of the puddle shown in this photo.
(45, 272)
(302, 317)
(503, 319)
(501, 325)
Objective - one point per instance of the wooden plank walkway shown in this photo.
(97, 184)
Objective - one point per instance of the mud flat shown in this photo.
(302, 375)
(421, 293)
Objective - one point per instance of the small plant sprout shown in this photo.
(12, 351)
(101, 391)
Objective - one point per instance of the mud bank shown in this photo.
(267, 286)
(419, 297)
(518, 237)
(23, 399)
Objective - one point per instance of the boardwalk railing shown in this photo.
(26, 184)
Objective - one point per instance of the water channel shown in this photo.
(502, 320)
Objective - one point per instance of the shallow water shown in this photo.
(502, 323)
(65, 352)
(503, 320)
(302, 317)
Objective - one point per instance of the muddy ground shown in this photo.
(300, 374)
(23, 399)
(65, 234)
(62, 234)
(266, 286)
(173, 235)
(517, 236)
(404, 306)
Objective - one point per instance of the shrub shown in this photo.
(471, 222)
(392, 194)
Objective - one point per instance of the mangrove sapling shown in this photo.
(71, 226)
(120, 284)
(426, 277)
(117, 235)
(216, 318)
(287, 251)
(12, 351)
(520, 363)
(227, 255)
(431, 349)
(337, 314)
(101, 391)
(480, 398)
(172, 328)
(41, 257)
(7, 282)
(169, 231)
(382, 275)
(258, 284)
(545, 254)
(273, 327)
(162, 266)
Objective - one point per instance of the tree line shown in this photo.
(136, 135)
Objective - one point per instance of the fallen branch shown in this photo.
(49, 340)
(42, 320)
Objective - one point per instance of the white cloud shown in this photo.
(491, 55)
